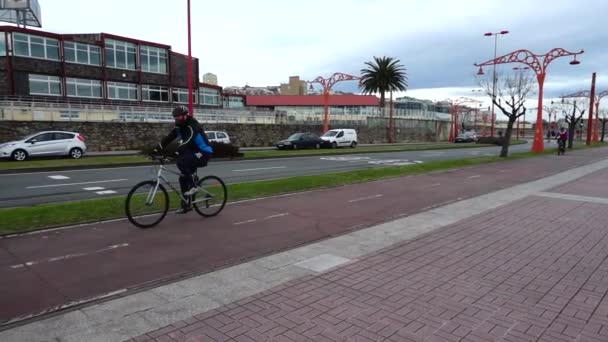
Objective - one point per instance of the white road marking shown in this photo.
(59, 177)
(94, 188)
(68, 184)
(105, 192)
(433, 185)
(261, 168)
(264, 219)
(476, 176)
(69, 256)
(364, 198)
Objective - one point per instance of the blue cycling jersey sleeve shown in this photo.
(200, 142)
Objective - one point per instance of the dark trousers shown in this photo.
(187, 163)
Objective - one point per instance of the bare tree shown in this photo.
(572, 119)
(511, 94)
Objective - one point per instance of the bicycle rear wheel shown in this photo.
(212, 197)
(147, 204)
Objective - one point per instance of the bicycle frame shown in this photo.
(160, 176)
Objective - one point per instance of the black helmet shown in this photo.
(180, 110)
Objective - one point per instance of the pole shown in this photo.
(538, 145)
(591, 105)
(493, 87)
(190, 97)
(326, 110)
(390, 123)
(596, 125)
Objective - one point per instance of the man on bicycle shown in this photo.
(193, 151)
(562, 137)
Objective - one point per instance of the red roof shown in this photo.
(310, 100)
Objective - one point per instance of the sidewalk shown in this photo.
(527, 263)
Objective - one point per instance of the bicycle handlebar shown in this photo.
(161, 158)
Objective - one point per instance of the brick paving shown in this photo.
(533, 270)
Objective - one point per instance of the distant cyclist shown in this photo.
(194, 151)
(562, 138)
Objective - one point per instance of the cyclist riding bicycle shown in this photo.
(193, 151)
(562, 138)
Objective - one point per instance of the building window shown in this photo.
(153, 59)
(45, 85)
(79, 87)
(181, 95)
(210, 97)
(2, 44)
(37, 47)
(122, 91)
(154, 93)
(120, 55)
(82, 53)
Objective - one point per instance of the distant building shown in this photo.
(294, 87)
(210, 78)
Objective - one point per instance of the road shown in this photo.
(45, 271)
(58, 186)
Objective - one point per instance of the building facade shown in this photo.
(96, 68)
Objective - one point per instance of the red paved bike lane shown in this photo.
(63, 267)
(533, 270)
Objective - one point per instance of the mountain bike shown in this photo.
(561, 147)
(148, 202)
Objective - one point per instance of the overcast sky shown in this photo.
(263, 42)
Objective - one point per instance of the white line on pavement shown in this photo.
(59, 177)
(69, 256)
(105, 192)
(264, 219)
(261, 168)
(68, 184)
(93, 188)
(476, 176)
(364, 198)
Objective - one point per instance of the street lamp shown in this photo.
(539, 64)
(495, 34)
(327, 83)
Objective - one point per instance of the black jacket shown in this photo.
(192, 137)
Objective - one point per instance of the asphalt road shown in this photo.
(35, 188)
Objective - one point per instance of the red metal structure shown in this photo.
(539, 64)
(327, 83)
(598, 98)
(455, 106)
(190, 96)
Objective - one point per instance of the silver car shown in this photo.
(47, 143)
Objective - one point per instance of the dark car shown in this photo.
(300, 140)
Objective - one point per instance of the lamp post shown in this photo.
(327, 83)
(495, 34)
(539, 64)
(190, 97)
(598, 98)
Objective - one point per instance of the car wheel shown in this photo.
(19, 155)
(294, 146)
(317, 146)
(76, 153)
(353, 144)
(334, 145)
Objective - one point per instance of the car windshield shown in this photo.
(295, 136)
(30, 136)
(330, 134)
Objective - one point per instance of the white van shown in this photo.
(218, 136)
(340, 137)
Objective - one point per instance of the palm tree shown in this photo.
(382, 75)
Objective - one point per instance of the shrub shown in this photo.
(490, 140)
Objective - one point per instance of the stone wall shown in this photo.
(106, 136)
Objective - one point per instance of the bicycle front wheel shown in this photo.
(147, 204)
(212, 197)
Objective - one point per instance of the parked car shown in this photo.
(48, 143)
(466, 137)
(340, 137)
(300, 140)
(218, 136)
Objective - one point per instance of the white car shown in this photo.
(218, 136)
(47, 143)
(340, 137)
